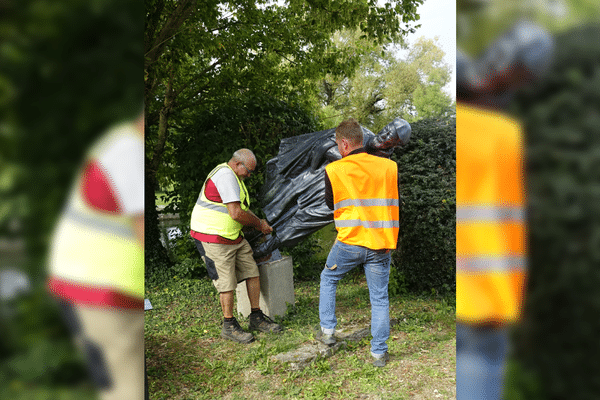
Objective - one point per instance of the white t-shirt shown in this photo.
(227, 184)
(113, 179)
(124, 164)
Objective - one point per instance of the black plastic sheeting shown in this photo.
(293, 196)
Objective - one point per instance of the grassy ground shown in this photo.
(187, 359)
(18, 392)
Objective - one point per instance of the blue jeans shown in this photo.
(480, 358)
(342, 259)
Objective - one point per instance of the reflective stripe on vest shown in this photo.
(213, 218)
(492, 228)
(365, 214)
(94, 248)
(212, 206)
(366, 224)
(490, 264)
(366, 203)
(489, 214)
(490, 217)
(100, 225)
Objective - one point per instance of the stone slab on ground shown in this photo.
(302, 357)
(357, 333)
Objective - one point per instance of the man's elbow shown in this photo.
(235, 214)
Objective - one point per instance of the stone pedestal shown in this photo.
(276, 288)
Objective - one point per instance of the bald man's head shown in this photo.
(243, 163)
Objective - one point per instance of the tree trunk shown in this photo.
(156, 254)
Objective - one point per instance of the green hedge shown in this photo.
(425, 258)
(558, 341)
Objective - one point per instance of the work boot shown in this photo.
(324, 338)
(381, 361)
(233, 331)
(260, 322)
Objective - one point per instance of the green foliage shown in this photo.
(179, 260)
(186, 266)
(523, 383)
(425, 257)
(558, 339)
(398, 285)
(383, 85)
(306, 265)
(35, 346)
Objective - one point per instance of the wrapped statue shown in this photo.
(293, 196)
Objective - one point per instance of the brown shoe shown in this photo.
(381, 361)
(329, 340)
(233, 331)
(260, 322)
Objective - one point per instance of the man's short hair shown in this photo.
(350, 130)
(244, 155)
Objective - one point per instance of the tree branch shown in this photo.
(171, 27)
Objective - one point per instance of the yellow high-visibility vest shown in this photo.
(212, 218)
(98, 249)
(365, 197)
(490, 220)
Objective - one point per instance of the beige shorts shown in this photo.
(228, 264)
(113, 342)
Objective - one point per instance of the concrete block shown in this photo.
(276, 288)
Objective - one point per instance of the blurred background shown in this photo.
(555, 348)
(68, 70)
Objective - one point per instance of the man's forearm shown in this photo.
(247, 218)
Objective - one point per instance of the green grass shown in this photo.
(187, 359)
(18, 391)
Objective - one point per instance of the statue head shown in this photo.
(394, 134)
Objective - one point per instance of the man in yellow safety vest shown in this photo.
(96, 261)
(222, 209)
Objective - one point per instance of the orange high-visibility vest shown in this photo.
(365, 197)
(490, 220)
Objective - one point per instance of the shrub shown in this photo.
(307, 266)
(188, 263)
(425, 257)
(558, 339)
(36, 347)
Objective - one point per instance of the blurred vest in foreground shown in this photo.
(365, 197)
(490, 217)
(94, 256)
